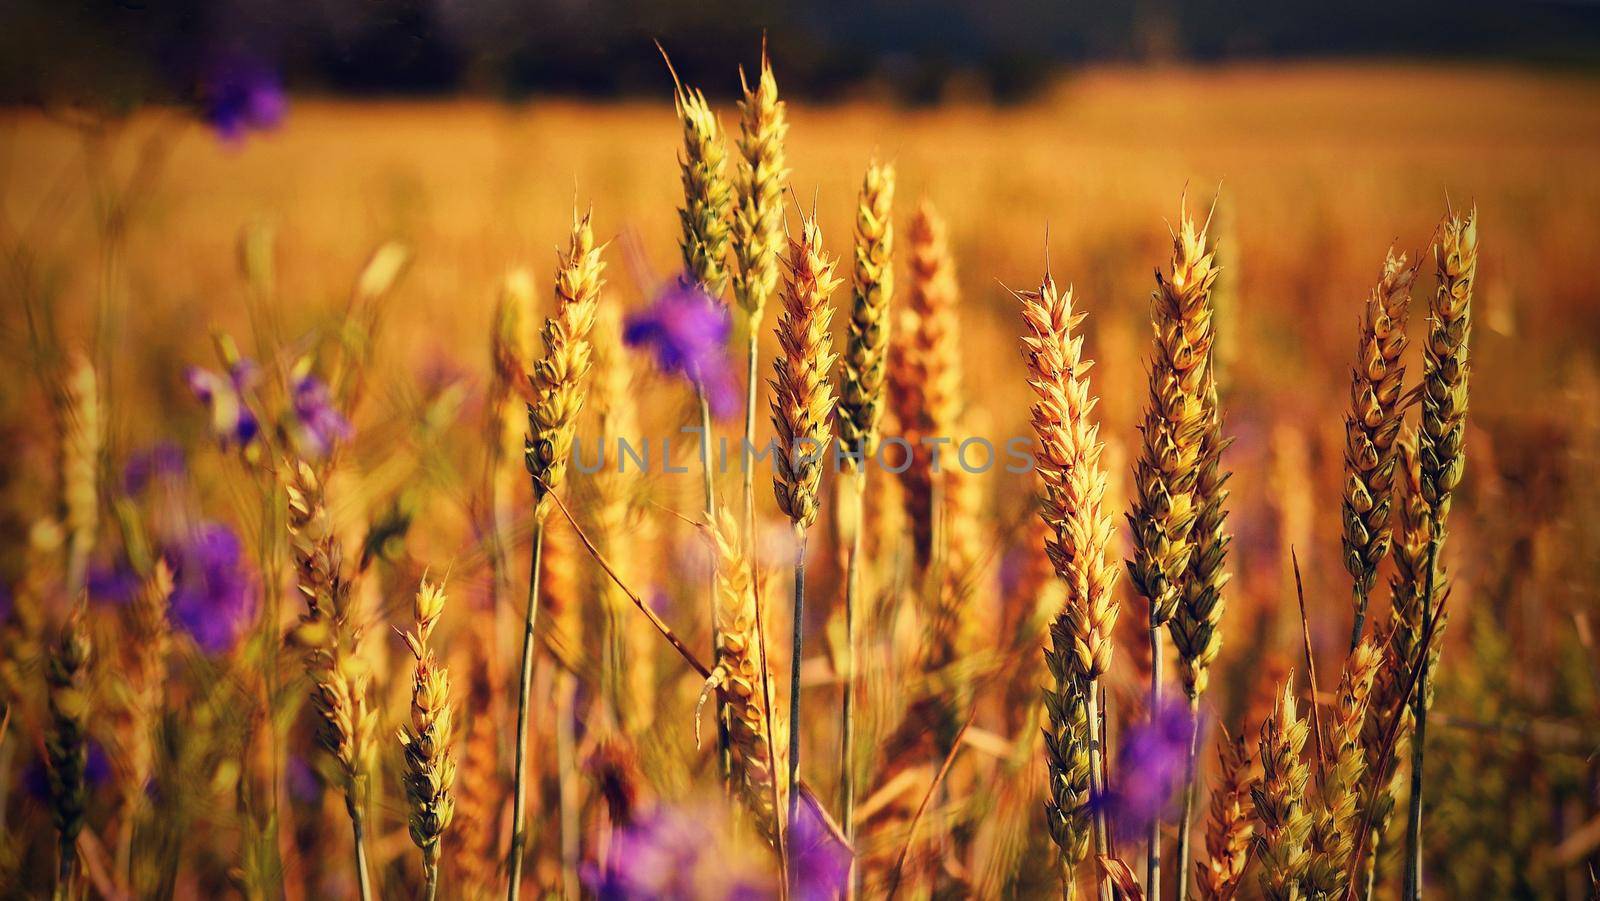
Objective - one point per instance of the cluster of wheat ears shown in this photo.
(1300, 810)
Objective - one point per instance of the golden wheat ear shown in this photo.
(425, 741)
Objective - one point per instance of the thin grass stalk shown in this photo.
(519, 799)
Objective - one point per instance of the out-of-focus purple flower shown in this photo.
(686, 331)
(232, 422)
(96, 770)
(1149, 766)
(821, 860)
(304, 786)
(653, 858)
(112, 583)
(213, 595)
(7, 602)
(163, 459)
(317, 425)
(676, 852)
(239, 96)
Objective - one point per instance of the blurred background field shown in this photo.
(1315, 169)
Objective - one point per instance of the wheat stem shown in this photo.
(519, 788)
(1419, 711)
(847, 710)
(1152, 860)
(1186, 824)
(1097, 788)
(795, 660)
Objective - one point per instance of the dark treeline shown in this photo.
(132, 50)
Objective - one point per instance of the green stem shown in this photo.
(1185, 825)
(847, 712)
(1152, 864)
(519, 787)
(797, 656)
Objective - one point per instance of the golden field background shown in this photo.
(1318, 170)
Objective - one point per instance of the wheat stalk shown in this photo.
(708, 196)
(1172, 457)
(757, 228)
(149, 637)
(66, 745)
(430, 766)
(1280, 800)
(925, 371)
(861, 392)
(80, 427)
(338, 676)
(1196, 624)
(802, 415)
(1231, 828)
(739, 679)
(1371, 427)
(1400, 637)
(1441, 459)
(1334, 822)
(1073, 487)
(559, 384)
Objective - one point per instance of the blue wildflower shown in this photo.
(686, 331)
(213, 596)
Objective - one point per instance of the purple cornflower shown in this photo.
(213, 596)
(1149, 766)
(238, 96)
(673, 852)
(163, 459)
(686, 330)
(821, 861)
(232, 422)
(112, 583)
(652, 858)
(317, 425)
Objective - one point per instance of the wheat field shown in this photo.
(269, 526)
